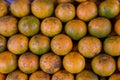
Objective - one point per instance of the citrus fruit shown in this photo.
(3, 43)
(65, 11)
(87, 10)
(28, 62)
(89, 46)
(64, 1)
(103, 65)
(111, 45)
(62, 75)
(109, 8)
(39, 44)
(2, 76)
(29, 25)
(8, 62)
(73, 62)
(117, 27)
(3, 8)
(86, 75)
(99, 27)
(8, 26)
(61, 44)
(115, 76)
(50, 62)
(118, 63)
(18, 44)
(17, 75)
(39, 75)
(51, 26)
(20, 8)
(76, 29)
(42, 8)
(80, 0)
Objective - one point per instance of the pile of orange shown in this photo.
(59, 40)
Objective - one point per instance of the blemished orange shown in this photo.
(117, 27)
(3, 43)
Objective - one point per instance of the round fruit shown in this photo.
(39, 44)
(20, 8)
(118, 63)
(8, 26)
(3, 8)
(29, 25)
(3, 43)
(42, 8)
(117, 27)
(111, 45)
(99, 27)
(18, 44)
(39, 75)
(109, 8)
(87, 10)
(8, 62)
(81, 0)
(86, 75)
(28, 62)
(62, 75)
(64, 1)
(115, 76)
(89, 46)
(17, 75)
(61, 44)
(73, 62)
(2, 76)
(50, 63)
(76, 29)
(65, 11)
(103, 65)
(51, 26)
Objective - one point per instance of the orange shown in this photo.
(117, 27)
(109, 8)
(28, 62)
(2, 76)
(18, 44)
(73, 62)
(86, 75)
(111, 45)
(51, 26)
(29, 25)
(3, 8)
(115, 76)
(76, 29)
(20, 8)
(103, 65)
(89, 46)
(118, 63)
(87, 10)
(39, 44)
(61, 44)
(65, 11)
(80, 0)
(42, 8)
(3, 43)
(62, 75)
(8, 62)
(39, 75)
(17, 75)
(99, 27)
(64, 1)
(50, 62)
(8, 26)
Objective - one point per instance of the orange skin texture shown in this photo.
(39, 75)
(8, 62)
(115, 76)
(50, 63)
(65, 11)
(87, 10)
(61, 44)
(118, 64)
(3, 43)
(86, 75)
(89, 46)
(73, 62)
(80, 0)
(103, 65)
(2, 76)
(64, 1)
(20, 75)
(8, 26)
(51, 26)
(18, 44)
(111, 45)
(62, 75)
(117, 27)
(28, 62)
